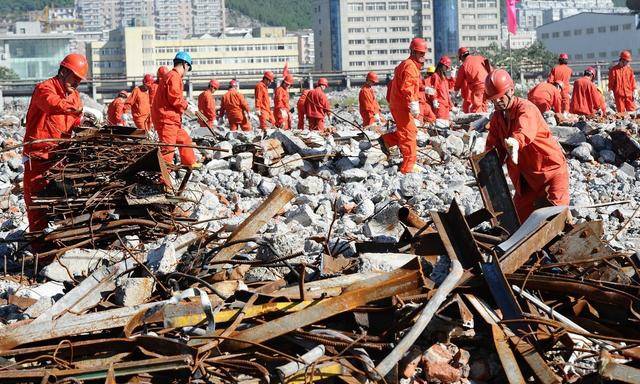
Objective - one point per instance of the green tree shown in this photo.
(533, 60)
(8, 74)
(293, 14)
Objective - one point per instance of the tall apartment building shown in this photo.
(363, 35)
(173, 19)
(208, 16)
(469, 23)
(534, 13)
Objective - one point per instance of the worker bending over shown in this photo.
(546, 96)
(586, 99)
(535, 162)
(235, 107)
(139, 103)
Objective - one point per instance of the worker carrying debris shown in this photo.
(168, 106)
(367, 102)
(440, 98)
(207, 104)
(547, 96)
(317, 106)
(470, 79)
(117, 108)
(301, 108)
(622, 84)
(535, 162)
(281, 108)
(263, 102)
(404, 104)
(55, 108)
(561, 73)
(139, 103)
(586, 99)
(235, 107)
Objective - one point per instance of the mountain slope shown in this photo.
(293, 14)
(22, 6)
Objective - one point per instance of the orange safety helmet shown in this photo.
(563, 56)
(372, 77)
(123, 94)
(162, 71)
(77, 64)
(446, 61)
(233, 83)
(462, 51)
(213, 83)
(288, 79)
(269, 75)
(418, 44)
(497, 84)
(323, 81)
(625, 55)
(147, 79)
(591, 71)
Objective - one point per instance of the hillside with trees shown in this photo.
(293, 14)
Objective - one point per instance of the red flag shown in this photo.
(512, 21)
(285, 72)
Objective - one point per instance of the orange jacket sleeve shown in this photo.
(526, 129)
(595, 95)
(49, 102)
(612, 79)
(552, 75)
(460, 79)
(174, 94)
(261, 94)
(206, 105)
(410, 82)
(243, 103)
(557, 101)
(133, 97)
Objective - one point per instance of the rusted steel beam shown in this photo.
(508, 360)
(611, 370)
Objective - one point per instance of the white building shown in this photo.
(522, 39)
(208, 16)
(534, 13)
(592, 37)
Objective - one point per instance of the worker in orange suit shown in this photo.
(55, 108)
(561, 73)
(169, 105)
(117, 108)
(263, 102)
(207, 104)
(162, 71)
(426, 113)
(404, 102)
(140, 105)
(470, 79)
(546, 96)
(586, 99)
(438, 89)
(535, 162)
(281, 108)
(367, 103)
(316, 106)
(235, 107)
(623, 84)
(301, 108)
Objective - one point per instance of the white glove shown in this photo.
(436, 104)
(635, 94)
(258, 112)
(417, 122)
(377, 118)
(93, 115)
(611, 95)
(430, 91)
(454, 72)
(414, 108)
(512, 147)
(192, 107)
(284, 113)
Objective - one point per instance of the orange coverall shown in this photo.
(263, 104)
(207, 105)
(405, 88)
(301, 108)
(140, 106)
(541, 172)
(368, 105)
(470, 81)
(280, 106)
(586, 99)
(316, 107)
(441, 85)
(546, 97)
(622, 82)
(115, 111)
(561, 73)
(169, 105)
(153, 88)
(51, 115)
(425, 105)
(234, 105)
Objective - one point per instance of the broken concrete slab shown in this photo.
(79, 263)
(134, 290)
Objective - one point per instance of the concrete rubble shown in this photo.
(210, 282)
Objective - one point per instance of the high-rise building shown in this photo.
(353, 35)
(173, 19)
(208, 16)
(468, 23)
(534, 13)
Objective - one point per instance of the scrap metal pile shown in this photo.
(478, 297)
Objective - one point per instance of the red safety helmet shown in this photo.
(323, 81)
(213, 83)
(446, 61)
(372, 77)
(288, 79)
(418, 44)
(497, 84)
(590, 70)
(462, 51)
(162, 71)
(77, 64)
(563, 56)
(233, 83)
(147, 79)
(123, 94)
(269, 75)
(625, 55)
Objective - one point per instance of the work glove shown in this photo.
(414, 108)
(611, 95)
(430, 91)
(192, 107)
(635, 94)
(418, 123)
(377, 118)
(436, 104)
(454, 72)
(512, 148)
(283, 113)
(258, 112)
(93, 115)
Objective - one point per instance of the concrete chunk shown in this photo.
(134, 290)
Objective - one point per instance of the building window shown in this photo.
(399, 29)
(356, 7)
(626, 27)
(376, 18)
(577, 32)
(602, 54)
(468, 16)
(555, 34)
(602, 29)
(378, 29)
(589, 31)
(591, 55)
(578, 57)
(394, 5)
(485, 16)
(355, 19)
(354, 42)
(613, 28)
(468, 4)
(356, 30)
(377, 6)
(544, 36)
(566, 33)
